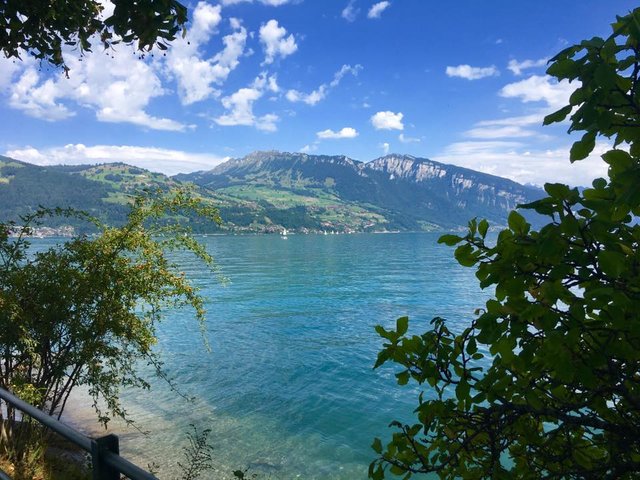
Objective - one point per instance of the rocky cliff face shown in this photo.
(459, 183)
(408, 167)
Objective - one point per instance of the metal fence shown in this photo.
(106, 462)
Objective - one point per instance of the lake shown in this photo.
(288, 389)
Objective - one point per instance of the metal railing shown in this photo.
(106, 462)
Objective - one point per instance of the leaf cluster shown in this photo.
(544, 382)
(607, 97)
(45, 29)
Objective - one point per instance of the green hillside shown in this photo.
(268, 192)
(25, 187)
(103, 191)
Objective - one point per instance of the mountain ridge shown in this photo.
(394, 184)
(268, 191)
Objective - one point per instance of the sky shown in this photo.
(457, 82)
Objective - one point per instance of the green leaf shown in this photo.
(564, 68)
(377, 446)
(618, 158)
(383, 356)
(517, 223)
(402, 378)
(557, 190)
(599, 183)
(582, 148)
(612, 263)
(578, 97)
(450, 240)
(582, 458)
(462, 390)
(465, 256)
(402, 325)
(376, 472)
(558, 116)
(389, 335)
(472, 347)
(483, 227)
(396, 470)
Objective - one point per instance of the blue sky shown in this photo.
(459, 82)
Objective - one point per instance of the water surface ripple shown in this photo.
(288, 388)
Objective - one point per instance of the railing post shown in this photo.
(102, 471)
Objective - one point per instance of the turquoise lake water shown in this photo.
(288, 389)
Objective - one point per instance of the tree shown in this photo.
(43, 28)
(545, 382)
(85, 312)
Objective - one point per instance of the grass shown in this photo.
(50, 469)
(42, 455)
(281, 198)
(327, 208)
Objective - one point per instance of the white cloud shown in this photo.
(265, 82)
(169, 162)
(387, 121)
(472, 73)
(405, 139)
(346, 132)
(267, 123)
(521, 121)
(337, 77)
(376, 9)
(540, 89)
(321, 92)
(38, 100)
(239, 105)
(517, 67)
(308, 98)
(511, 127)
(521, 163)
(272, 3)
(507, 131)
(205, 19)
(195, 75)
(350, 12)
(9, 68)
(275, 42)
(385, 147)
(117, 86)
(234, 44)
(312, 147)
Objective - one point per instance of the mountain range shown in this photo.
(272, 191)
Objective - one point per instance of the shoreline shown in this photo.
(80, 415)
(145, 442)
(53, 235)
